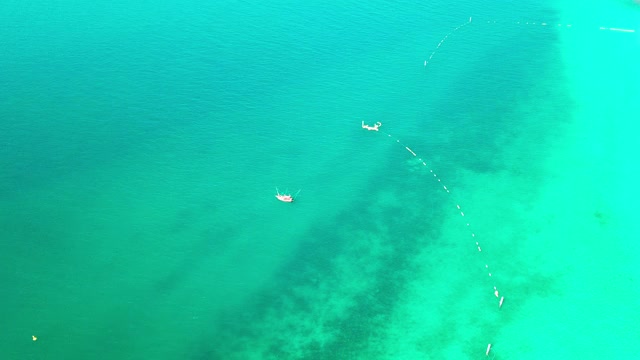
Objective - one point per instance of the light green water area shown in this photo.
(141, 144)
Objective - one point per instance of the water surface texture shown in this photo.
(141, 144)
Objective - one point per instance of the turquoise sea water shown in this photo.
(141, 144)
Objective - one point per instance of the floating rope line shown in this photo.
(606, 28)
(530, 23)
(376, 127)
(433, 53)
(495, 292)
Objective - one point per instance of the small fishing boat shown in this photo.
(375, 126)
(285, 197)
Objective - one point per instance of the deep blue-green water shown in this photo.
(141, 144)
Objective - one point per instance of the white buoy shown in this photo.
(501, 301)
(488, 350)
